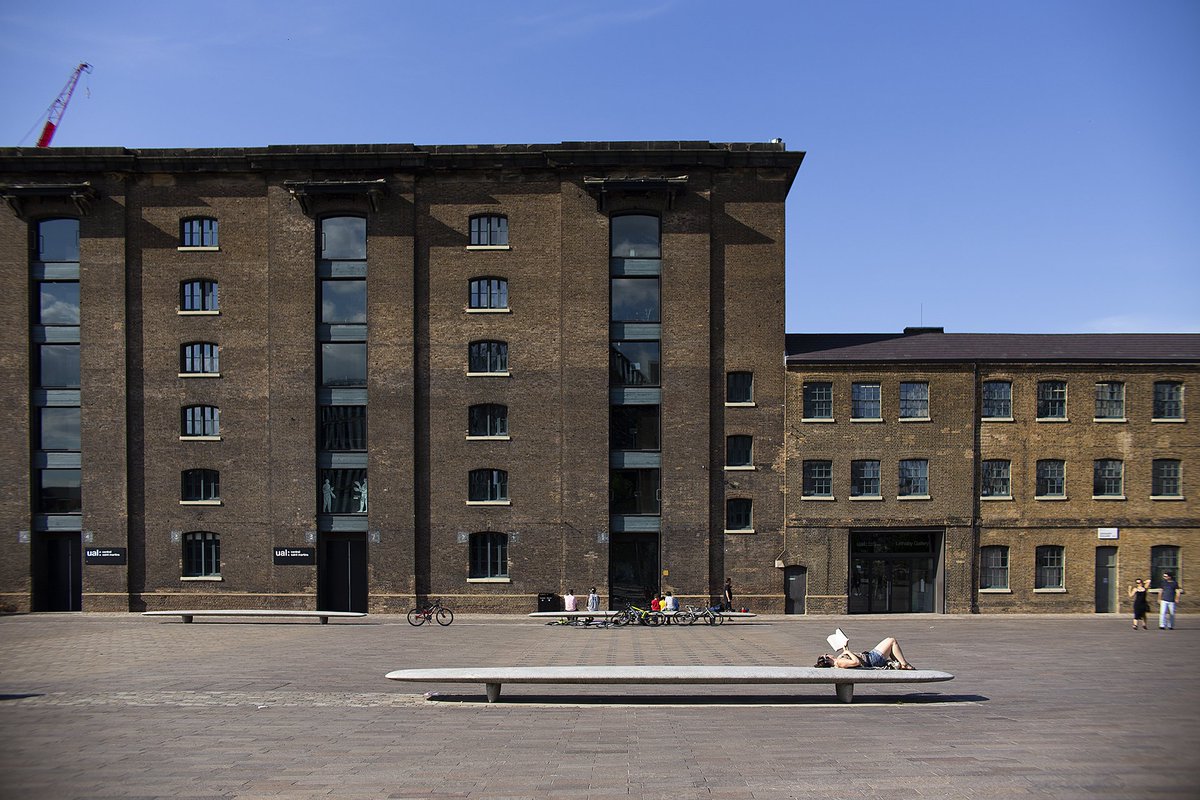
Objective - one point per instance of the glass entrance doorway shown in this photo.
(893, 572)
(632, 569)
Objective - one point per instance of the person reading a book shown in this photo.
(877, 657)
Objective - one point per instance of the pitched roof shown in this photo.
(931, 344)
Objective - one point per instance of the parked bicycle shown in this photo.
(430, 611)
(710, 614)
(640, 616)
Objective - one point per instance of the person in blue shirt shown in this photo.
(1166, 602)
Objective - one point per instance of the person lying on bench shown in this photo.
(876, 658)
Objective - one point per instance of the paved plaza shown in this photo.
(121, 706)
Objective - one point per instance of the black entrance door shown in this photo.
(632, 569)
(893, 572)
(57, 578)
(1106, 580)
(342, 572)
(795, 588)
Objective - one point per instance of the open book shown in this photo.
(837, 640)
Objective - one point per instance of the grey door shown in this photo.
(795, 587)
(1106, 580)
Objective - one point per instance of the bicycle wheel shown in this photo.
(720, 618)
(621, 619)
(684, 618)
(656, 619)
(416, 618)
(710, 618)
(444, 616)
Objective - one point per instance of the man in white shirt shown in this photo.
(569, 601)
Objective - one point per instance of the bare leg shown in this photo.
(890, 648)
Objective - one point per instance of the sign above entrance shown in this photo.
(105, 555)
(294, 556)
(1107, 533)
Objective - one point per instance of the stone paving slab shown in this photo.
(105, 706)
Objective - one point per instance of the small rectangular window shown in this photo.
(997, 400)
(818, 479)
(1167, 478)
(198, 358)
(1051, 478)
(739, 387)
(342, 491)
(58, 302)
(343, 429)
(818, 400)
(635, 300)
(635, 363)
(1168, 400)
(487, 419)
(739, 514)
(58, 241)
(914, 477)
(994, 479)
(864, 401)
(343, 364)
(993, 567)
(914, 400)
(635, 428)
(864, 479)
(1052, 400)
(1110, 400)
(1164, 559)
(634, 492)
(1049, 568)
(58, 429)
(343, 239)
(1108, 476)
(739, 451)
(344, 302)
(58, 366)
(59, 491)
(200, 485)
(198, 295)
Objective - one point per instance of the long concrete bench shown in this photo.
(843, 680)
(254, 612)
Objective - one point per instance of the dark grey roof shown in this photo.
(930, 344)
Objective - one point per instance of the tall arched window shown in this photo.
(489, 555)
(201, 554)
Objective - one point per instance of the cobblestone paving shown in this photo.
(119, 706)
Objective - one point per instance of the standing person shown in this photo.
(1140, 606)
(727, 596)
(569, 600)
(1166, 602)
(593, 600)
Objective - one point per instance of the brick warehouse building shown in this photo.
(568, 357)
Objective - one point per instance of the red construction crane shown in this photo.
(59, 106)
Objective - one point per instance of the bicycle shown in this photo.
(710, 615)
(430, 611)
(641, 616)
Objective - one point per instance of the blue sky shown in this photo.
(1012, 167)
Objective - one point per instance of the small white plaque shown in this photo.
(1107, 533)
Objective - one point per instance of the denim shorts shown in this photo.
(875, 659)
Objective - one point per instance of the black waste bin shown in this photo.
(548, 602)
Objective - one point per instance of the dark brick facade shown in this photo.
(722, 237)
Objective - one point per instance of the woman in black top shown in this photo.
(1140, 606)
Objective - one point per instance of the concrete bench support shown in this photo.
(189, 615)
(843, 680)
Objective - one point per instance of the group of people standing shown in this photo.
(1170, 591)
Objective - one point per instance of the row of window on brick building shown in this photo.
(997, 402)
(1108, 479)
(1049, 567)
